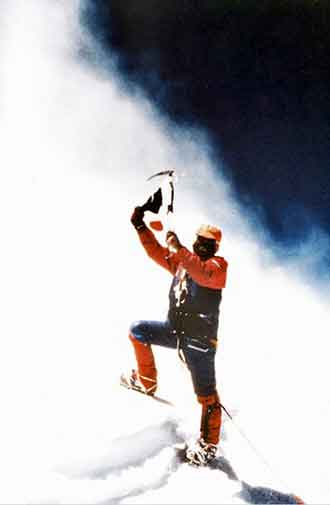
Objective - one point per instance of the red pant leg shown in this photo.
(145, 362)
(211, 418)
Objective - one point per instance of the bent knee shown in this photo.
(137, 331)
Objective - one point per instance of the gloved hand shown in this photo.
(137, 219)
(173, 242)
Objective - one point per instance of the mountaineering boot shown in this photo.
(205, 449)
(147, 372)
(201, 453)
(133, 380)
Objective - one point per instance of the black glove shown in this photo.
(173, 242)
(137, 219)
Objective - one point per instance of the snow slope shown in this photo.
(123, 459)
(73, 278)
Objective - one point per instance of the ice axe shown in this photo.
(154, 202)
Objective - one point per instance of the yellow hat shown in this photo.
(208, 231)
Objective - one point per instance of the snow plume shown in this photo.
(76, 152)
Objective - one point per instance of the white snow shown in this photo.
(75, 155)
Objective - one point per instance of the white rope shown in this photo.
(256, 451)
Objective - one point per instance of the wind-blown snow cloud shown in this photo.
(76, 152)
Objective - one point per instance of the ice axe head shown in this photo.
(170, 173)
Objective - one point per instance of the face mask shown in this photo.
(205, 248)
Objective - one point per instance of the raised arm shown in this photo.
(211, 273)
(153, 248)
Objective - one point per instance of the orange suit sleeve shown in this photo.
(211, 273)
(161, 255)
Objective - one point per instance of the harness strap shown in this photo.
(180, 351)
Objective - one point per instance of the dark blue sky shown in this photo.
(255, 75)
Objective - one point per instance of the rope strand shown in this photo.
(254, 449)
